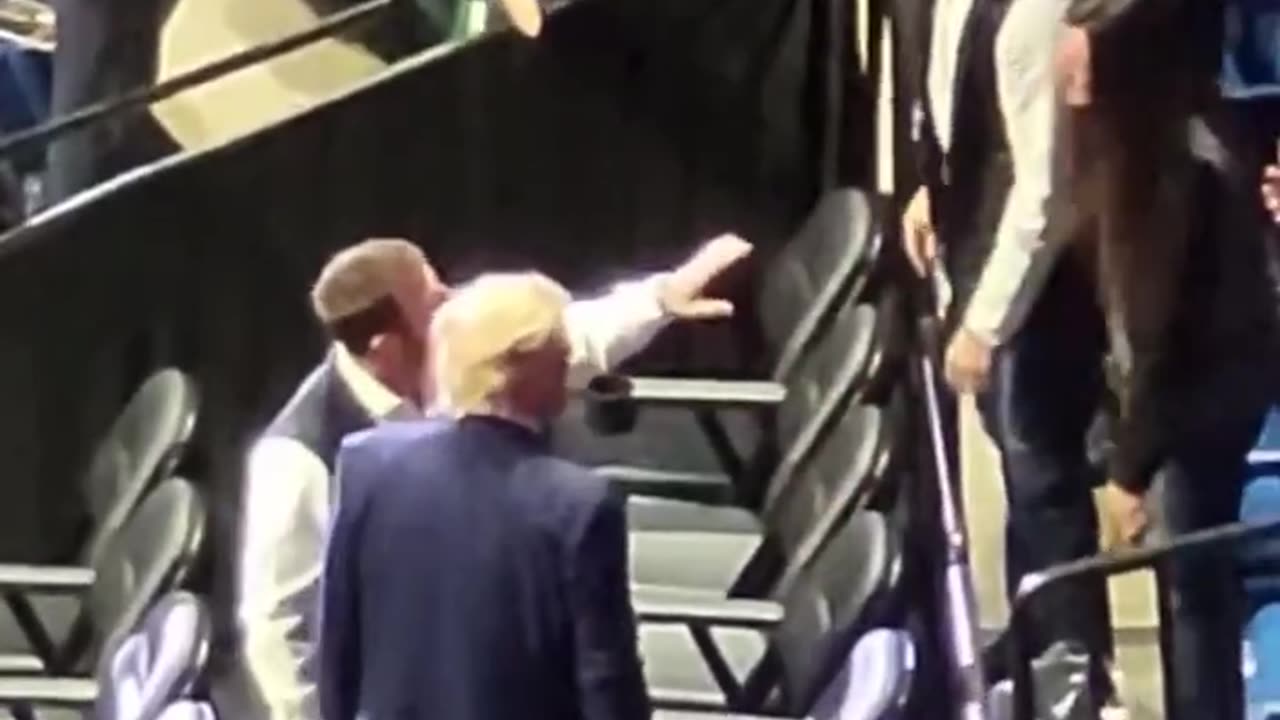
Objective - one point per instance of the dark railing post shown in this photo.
(960, 619)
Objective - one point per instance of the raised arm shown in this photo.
(610, 682)
(607, 330)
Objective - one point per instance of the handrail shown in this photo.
(1103, 566)
(961, 618)
(140, 97)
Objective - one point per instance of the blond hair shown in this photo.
(361, 276)
(476, 333)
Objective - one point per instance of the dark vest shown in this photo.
(970, 184)
(321, 413)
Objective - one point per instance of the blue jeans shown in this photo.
(1198, 487)
(1045, 389)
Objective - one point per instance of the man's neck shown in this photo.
(527, 421)
(373, 395)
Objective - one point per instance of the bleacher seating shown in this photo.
(734, 551)
(830, 260)
(155, 668)
(157, 665)
(760, 656)
(151, 556)
(1260, 565)
(762, 580)
(872, 684)
(142, 447)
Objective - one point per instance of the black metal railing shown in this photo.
(139, 98)
(1104, 566)
(960, 608)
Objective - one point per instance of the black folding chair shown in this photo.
(151, 555)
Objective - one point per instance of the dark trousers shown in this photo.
(1045, 389)
(1201, 610)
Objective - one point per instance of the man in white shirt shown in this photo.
(1024, 332)
(376, 300)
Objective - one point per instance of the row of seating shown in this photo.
(154, 672)
(767, 569)
(119, 653)
(766, 563)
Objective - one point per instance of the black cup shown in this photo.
(609, 407)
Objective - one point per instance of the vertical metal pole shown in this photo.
(961, 605)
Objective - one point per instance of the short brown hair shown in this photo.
(353, 297)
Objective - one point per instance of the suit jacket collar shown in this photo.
(507, 428)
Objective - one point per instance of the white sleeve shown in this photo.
(607, 330)
(286, 517)
(1020, 259)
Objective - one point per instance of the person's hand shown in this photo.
(1124, 512)
(683, 293)
(968, 362)
(1074, 65)
(525, 16)
(1271, 191)
(918, 238)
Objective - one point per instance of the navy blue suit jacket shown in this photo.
(471, 575)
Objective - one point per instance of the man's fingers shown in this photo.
(525, 16)
(716, 256)
(727, 249)
(921, 249)
(707, 309)
(1076, 90)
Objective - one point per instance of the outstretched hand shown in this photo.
(684, 291)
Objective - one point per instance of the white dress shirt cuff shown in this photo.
(606, 330)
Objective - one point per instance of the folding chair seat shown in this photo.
(188, 710)
(825, 265)
(849, 362)
(873, 684)
(757, 656)
(150, 556)
(734, 551)
(152, 669)
(158, 664)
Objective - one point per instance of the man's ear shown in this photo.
(383, 347)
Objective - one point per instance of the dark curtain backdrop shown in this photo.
(607, 147)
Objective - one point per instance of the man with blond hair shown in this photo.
(514, 603)
(375, 301)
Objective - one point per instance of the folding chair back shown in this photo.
(833, 602)
(149, 557)
(142, 447)
(828, 260)
(839, 368)
(850, 464)
(157, 664)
